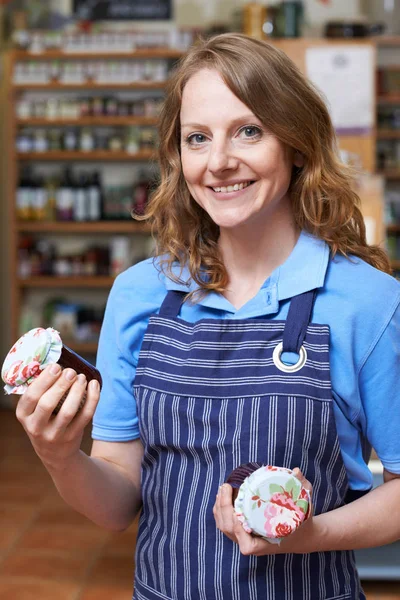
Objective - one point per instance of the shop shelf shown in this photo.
(106, 227)
(389, 99)
(388, 134)
(66, 282)
(390, 173)
(103, 121)
(137, 85)
(22, 55)
(98, 155)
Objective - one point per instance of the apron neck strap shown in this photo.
(172, 304)
(298, 319)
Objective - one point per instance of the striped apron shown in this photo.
(212, 395)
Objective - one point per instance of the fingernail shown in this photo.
(94, 385)
(55, 369)
(223, 489)
(81, 378)
(70, 374)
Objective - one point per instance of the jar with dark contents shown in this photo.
(31, 354)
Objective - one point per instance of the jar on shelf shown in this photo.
(86, 141)
(40, 141)
(70, 140)
(133, 140)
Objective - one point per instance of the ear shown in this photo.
(298, 159)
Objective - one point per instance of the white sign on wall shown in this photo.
(345, 75)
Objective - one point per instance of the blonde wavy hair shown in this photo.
(322, 192)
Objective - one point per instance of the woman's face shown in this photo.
(234, 168)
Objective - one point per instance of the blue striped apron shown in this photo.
(211, 397)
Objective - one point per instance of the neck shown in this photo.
(253, 251)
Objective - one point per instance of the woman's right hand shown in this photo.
(57, 438)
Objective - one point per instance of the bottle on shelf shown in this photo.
(95, 197)
(80, 189)
(39, 199)
(65, 197)
(24, 196)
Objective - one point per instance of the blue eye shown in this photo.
(250, 131)
(196, 139)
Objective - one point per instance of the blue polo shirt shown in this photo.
(359, 303)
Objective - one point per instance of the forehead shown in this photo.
(206, 94)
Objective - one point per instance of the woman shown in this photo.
(222, 350)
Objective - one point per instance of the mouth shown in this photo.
(232, 188)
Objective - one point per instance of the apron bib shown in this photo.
(212, 395)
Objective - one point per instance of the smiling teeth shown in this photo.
(232, 188)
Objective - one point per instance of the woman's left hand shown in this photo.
(249, 544)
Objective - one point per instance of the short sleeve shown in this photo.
(135, 295)
(380, 394)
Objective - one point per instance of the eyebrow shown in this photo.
(248, 117)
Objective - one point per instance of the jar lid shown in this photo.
(272, 503)
(28, 357)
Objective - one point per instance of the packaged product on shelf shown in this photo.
(40, 141)
(94, 197)
(132, 144)
(39, 199)
(24, 197)
(24, 141)
(52, 108)
(115, 142)
(55, 140)
(86, 140)
(24, 109)
(120, 254)
(70, 140)
(80, 211)
(65, 197)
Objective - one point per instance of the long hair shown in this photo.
(322, 192)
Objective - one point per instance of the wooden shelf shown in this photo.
(106, 227)
(389, 99)
(386, 40)
(98, 155)
(393, 228)
(102, 121)
(20, 55)
(138, 85)
(388, 134)
(390, 173)
(66, 282)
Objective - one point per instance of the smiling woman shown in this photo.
(241, 109)
(265, 331)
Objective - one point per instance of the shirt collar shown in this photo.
(303, 270)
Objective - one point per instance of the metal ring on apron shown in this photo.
(276, 356)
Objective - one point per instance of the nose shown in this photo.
(221, 157)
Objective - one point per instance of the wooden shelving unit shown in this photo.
(82, 228)
(87, 122)
(21, 287)
(56, 86)
(98, 155)
(390, 99)
(66, 282)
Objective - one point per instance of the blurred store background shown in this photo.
(81, 82)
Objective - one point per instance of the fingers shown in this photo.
(87, 411)
(28, 401)
(227, 521)
(72, 403)
(224, 512)
(304, 482)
